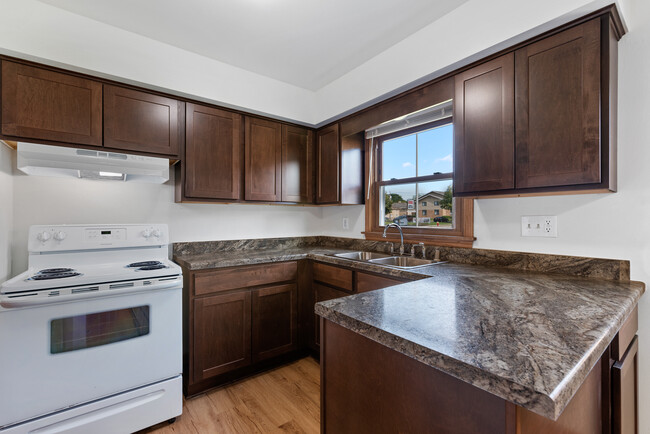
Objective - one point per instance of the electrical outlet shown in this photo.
(539, 226)
(346, 223)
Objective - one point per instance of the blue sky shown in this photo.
(434, 154)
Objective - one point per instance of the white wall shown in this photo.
(6, 211)
(40, 200)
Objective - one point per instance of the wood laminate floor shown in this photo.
(283, 400)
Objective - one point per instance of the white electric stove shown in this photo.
(91, 333)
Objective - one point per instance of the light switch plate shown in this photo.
(346, 223)
(539, 226)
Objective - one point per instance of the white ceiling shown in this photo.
(307, 43)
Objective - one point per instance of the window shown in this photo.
(412, 169)
(415, 165)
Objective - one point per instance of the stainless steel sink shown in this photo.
(403, 261)
(361, 256)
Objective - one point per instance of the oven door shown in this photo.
(55, 356)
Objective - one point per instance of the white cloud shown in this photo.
(445, 158)
(407, 164)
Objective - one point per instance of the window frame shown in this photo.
(462, 235)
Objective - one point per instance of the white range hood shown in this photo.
(59, 161)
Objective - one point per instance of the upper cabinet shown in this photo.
(484, 127)
(557, 105)
(339, 167)
(213, 153)
(558, 109)
(328, 153)
(44, 105)
(297, 164)
(140, 121)
(263, 160)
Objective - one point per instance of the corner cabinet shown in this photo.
(41, 104)
(211, 167)
(545, 112)
(339, 167)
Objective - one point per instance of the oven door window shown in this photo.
(95, 329)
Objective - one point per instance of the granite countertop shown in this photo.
(530, 338)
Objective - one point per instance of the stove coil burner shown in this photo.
(152, 267)
(142, 264)
(55, 270)
(54, 273)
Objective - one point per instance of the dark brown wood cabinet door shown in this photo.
(140, 121)
(263, 160)
(369, 282)
(324, 293)
(42, 104)
(297, 162)
(558, 109)
(222, 334)
(484, 140)
(328, 155)
(212, 153)
(625, 392)
(275, 321)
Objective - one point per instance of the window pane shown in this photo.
(435, 205)
(435, 150)
(398, 158)
(397, 205)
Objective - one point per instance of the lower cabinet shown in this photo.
(222, 334)
(236, 320)
(275, 321)
(330, 282)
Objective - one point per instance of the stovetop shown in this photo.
(85, 274)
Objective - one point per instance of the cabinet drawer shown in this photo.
(243, 277)
(624, 337)
(369, 282)
(335, 276)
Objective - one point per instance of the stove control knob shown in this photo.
(146, 233)
(156, 233)
(60, 236)
(44, 236)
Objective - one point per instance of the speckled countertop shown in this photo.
(530, 338)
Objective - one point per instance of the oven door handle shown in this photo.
(42, 297)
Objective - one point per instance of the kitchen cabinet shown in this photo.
(213, 153)
(558, 109)
(263, 154)
(339, 173)
(625, 377)
(484, 130)
(369, 282)
(275, 321)
(236, 321)
(330, 282)
(142, 122)
(328, 175)
(563, 90)
(41, 104)
(297, 164)
(222, 334)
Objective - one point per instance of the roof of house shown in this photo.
(433, 194)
